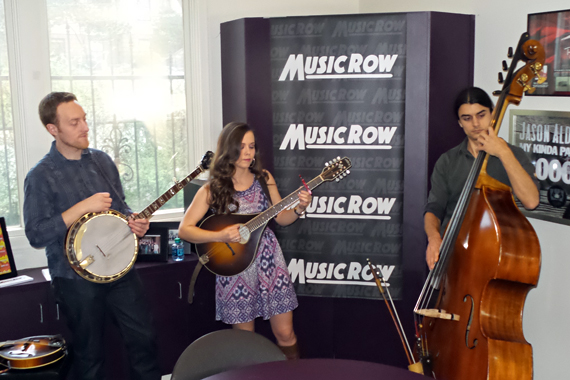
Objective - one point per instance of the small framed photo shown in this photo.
(149, 245)
(7, 265)
(172, 234)
(155, 245)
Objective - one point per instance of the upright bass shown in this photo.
(489, 260)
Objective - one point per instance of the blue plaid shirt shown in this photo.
(53, 186)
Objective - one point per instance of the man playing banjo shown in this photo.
(70, 181)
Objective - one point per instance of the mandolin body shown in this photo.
(32, 352)
(229, 259)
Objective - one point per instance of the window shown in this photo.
(124, 60)
(9, 203)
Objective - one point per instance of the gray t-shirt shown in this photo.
(450, 174)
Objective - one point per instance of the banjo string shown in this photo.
(112, 240)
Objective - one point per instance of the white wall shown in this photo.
(498, 25)
(219, 11)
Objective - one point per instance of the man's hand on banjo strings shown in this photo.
(138, 226)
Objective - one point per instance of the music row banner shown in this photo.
(545, 137)
(338, 90)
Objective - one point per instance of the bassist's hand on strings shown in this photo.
(523, 185)
(493, 144)
(432, 252)
(432, 226)
(138, 226)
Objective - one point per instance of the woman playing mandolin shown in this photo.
(236, 185)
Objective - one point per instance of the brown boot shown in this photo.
(291, 352)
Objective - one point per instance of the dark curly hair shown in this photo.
(223, 168)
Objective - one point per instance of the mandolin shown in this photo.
(32, 352)
(230, 259)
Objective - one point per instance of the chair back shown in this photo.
(223, 350)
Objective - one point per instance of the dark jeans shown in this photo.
(85, 305)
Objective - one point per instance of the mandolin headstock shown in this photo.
(336, 169)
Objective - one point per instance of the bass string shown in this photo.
(435, 276)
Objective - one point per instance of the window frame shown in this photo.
(30, 80)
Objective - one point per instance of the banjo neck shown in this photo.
(168, 194)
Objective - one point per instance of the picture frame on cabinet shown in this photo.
(155, 245)
(7, 264)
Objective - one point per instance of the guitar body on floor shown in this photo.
(32, 352)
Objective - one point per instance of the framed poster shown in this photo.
(545, 137)
(7, 265)
(552, 30)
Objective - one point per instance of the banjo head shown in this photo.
(101, 246)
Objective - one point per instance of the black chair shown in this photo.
(223, 350)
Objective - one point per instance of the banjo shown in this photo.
(101, 247)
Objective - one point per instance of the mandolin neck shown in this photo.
(264, 217)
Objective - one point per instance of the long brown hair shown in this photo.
(227, 153)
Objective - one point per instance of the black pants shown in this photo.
(85, 305)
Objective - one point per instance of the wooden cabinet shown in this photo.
(166, 291)
(29, 309)
(24, 311)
